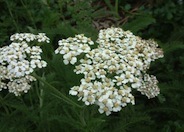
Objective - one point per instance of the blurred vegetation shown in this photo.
(38, 110)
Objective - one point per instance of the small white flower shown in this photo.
(74, 90)
(73, 60)
(66, 62)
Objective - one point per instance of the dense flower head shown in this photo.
(114, 69)
(149, 86)
(18, 60)
(73, 47)
(104, 94)
(28, 37)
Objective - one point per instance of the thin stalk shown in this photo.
(82, 117)
(11, 14)
(116, 7)
(30, 99)
(29, 14)
(57, 93)
(41, 94)
(5, 108)
(41, 103)
(41, 98)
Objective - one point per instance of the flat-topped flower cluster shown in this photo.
(18, 60)
(70, 48)
(113, 69)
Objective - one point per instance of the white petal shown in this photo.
(74, 60)
(66, 62)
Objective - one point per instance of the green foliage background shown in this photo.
(39, 110)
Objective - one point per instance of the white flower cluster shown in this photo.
(72, 47)
(18, 60)
(112, 70)
(28, 37)
(149, 86)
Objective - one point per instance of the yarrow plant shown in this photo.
(113, 69)
(18, 60)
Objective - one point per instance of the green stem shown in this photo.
(30, 99)
(11, 14)
(82, 117)
(57, 93)
(2, 104)
(41, 98)
(116, 7)
(41, 103)
(29, 14)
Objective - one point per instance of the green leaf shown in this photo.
(139, 23)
